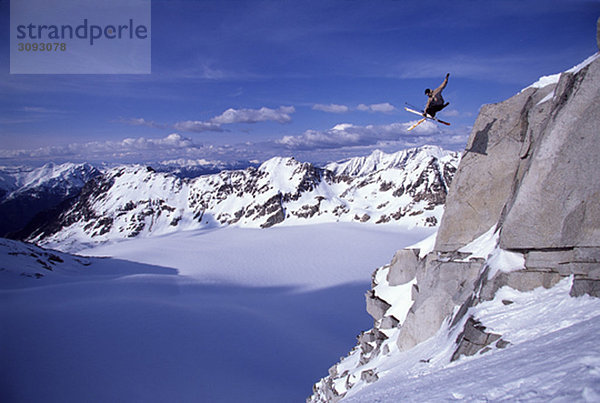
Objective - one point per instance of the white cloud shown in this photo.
(385, 107)
(230, 116)
(143, 122)
(129, 149)
(331, 108)
(39, 109)
(197, 126)
(280, 115)
(340, 141)
(346, 134)
(450, 112)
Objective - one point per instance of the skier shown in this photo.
(435, 103)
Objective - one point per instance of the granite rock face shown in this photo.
(485, 175)
(441, 285)
(529, 173)
(558, 172)
(529, 177)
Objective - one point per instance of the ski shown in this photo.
(425, 117)
(416, 124)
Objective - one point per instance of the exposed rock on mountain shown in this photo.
(522, 212)
(408, 188)
(27, 260)
(22, 264)
(27, 192)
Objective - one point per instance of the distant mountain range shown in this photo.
(78, 204)
(25, 192)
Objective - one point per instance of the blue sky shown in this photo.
(318, 80)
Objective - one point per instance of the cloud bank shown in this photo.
(331, 108)
(280, 115)
(197, 126)
(384, 107)
(230, 116)
(347, 134)
(127, 150)
(340, 141)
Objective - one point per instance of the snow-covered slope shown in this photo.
(408, 189)
(67, 179)
(553, 356)
(530, 323)
(24, 192)
(24, 265)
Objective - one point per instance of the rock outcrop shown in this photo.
(522, 212)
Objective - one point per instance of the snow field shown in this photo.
(223, 315)
(308, 257)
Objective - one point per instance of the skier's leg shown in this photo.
(432, 110)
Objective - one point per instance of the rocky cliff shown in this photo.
(522, 212)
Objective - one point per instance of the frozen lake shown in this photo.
(225, 315)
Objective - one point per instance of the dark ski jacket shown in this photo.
(435, 96)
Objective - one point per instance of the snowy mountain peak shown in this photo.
(400, 188)
(278, 164)
(51, 171)
(67, 175)
(24, 192)
(379, 160)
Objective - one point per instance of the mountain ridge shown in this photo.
(25, 192)
(407, 188)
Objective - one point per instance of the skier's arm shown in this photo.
(427, 105)
(441, 87)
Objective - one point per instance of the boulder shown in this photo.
(423, 322)
(369, 376)
(548, 259)
(376, 307)
(388, 322)
(583, 286)
(403, 266)
(521, 280)
(441, 285)
(454, 278)
(474, 338)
